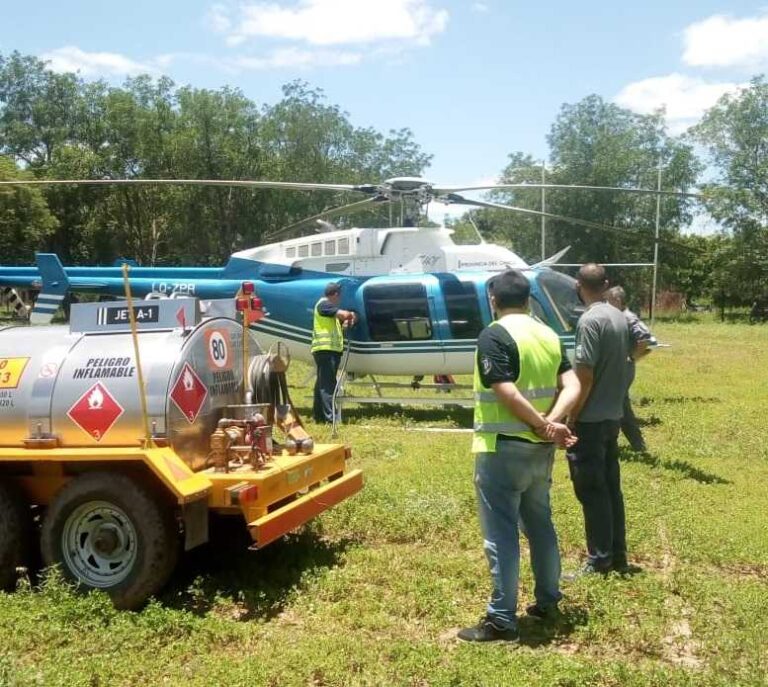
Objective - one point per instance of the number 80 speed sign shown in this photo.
(218, 349)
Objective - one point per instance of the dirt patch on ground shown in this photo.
(680, 648)
(749, 571)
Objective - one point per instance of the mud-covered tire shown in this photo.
(108, 532)
(15, 535)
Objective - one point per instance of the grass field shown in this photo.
(374, 591)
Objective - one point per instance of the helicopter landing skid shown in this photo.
(444, 399)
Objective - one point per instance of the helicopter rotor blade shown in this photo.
(459, 200)
(286, 185)
(456, 199)
(392, 188)
(328, 214)
(447, 190)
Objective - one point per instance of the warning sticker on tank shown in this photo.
(189, 393)
(95, 411)
(10, 371)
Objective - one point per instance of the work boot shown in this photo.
(487, 631)
(542, 613)
(624, 567)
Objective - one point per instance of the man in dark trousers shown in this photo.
(600, 363)
(524, 387)
(327, 346)
(640, 341)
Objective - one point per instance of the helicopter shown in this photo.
(421, 299)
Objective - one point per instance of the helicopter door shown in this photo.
(463, 321)
(402, 327)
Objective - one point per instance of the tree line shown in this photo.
(597, 143)
(59, 126)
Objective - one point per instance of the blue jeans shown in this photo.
(513, 485)
(327, 363)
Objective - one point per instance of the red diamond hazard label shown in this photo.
(95, 411)
(189, 393)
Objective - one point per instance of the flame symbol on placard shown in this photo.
(188, 380)
(95, 399)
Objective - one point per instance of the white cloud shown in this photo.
(72, 59)
(334, 22)
(685, 98)
(292, 57)
(480, 7)
(722, 41)
(218, 19)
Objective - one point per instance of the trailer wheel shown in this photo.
(15, 533)
(109, 533)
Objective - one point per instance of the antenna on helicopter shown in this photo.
(474, 226)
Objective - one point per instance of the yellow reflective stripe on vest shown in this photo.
(501, 427)
(327, 334)
(529, 394)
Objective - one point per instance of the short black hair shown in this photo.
(592, 277)
(332, 288)
(510, 289)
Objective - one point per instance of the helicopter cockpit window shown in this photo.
(344, 246)
(397, 312)
(303, 251)
(537, 310)
(330, 247)
(560, 289)
(290, 252)
(317, 249)
(463, 308)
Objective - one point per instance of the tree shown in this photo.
(25, 221)
(735, 133)
(59, 126)
(596, 143)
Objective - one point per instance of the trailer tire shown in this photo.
(108, 532)
(15, 535)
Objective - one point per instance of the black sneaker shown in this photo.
(586, 570)
(539, 613)
(486, 631)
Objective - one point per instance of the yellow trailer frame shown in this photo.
(285, 494)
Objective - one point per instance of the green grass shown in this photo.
(373, 592)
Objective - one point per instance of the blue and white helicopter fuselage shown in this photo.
(421, 299)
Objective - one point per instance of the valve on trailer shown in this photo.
(237, 441)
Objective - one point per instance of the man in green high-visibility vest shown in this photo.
(524, 387)
(327, 346)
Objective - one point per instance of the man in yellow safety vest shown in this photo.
(327, 346)
(524, 387)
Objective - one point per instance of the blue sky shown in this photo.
(474, 79)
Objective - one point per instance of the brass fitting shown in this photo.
(219, 449)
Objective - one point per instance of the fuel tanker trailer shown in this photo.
(125, 429)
